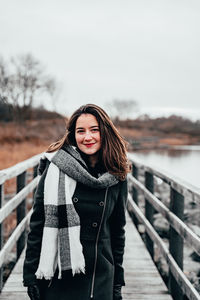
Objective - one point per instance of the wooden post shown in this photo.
(1, 234)
(176, 242)
(149, 212)
(135, 193)
(21, 212)
(35, 172)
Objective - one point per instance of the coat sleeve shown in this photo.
(118, 221)
(35, 235)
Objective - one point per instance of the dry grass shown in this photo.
(21, 141)
(32, 131)
(174, 141)
(10, 154)
(131, 133)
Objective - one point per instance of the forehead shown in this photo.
(86, 120)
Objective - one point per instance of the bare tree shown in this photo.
(4, 79)
(122, 109)
(28, 82)
(24, 83)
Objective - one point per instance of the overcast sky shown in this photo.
(100, 50)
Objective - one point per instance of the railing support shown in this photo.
(176, 242)
(149, 212)
(21, 212)
(1, 234)
(135, 193)
(35, 172)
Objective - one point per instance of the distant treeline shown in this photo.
(8, 113)
(165, 125)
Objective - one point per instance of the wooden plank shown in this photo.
(144, 297)
(14, 289)
(14, 296)
(141, 276)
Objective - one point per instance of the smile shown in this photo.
(89, 145)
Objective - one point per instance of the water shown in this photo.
(183, 162)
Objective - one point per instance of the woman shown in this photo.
(76, 242)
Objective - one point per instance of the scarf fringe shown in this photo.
(78, 270)
(40, 275)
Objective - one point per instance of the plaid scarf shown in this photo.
(61, 235)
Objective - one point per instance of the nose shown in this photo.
(88, 136)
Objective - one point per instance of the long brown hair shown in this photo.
(113, 146)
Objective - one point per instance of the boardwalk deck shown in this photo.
(142, 279)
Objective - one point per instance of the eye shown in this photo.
(95, 129)
(80, 131)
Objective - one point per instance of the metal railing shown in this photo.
(179, 285)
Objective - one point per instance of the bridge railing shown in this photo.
(24, 186)
(179, 285)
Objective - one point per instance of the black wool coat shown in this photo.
(102, 220)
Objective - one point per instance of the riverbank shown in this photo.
(144, 139)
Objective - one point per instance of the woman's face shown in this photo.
(87, 134)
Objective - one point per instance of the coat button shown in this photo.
(101, 203)
(94, 224)
(75, 199)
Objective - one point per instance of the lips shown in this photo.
(89, 145)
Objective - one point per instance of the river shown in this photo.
(181, 161)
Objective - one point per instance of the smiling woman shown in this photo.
(76, 244)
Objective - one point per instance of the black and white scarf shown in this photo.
(61, 235)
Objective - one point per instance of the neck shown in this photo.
(93, 159)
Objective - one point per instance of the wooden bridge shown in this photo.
(145, 204)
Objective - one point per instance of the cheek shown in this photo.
(98, 138)
(78, 138)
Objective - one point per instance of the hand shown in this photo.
(117, 295)
(33, 292)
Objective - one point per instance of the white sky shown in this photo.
(146, 50)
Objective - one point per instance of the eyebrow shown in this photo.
(90, 127)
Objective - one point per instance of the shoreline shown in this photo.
(186, 147)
